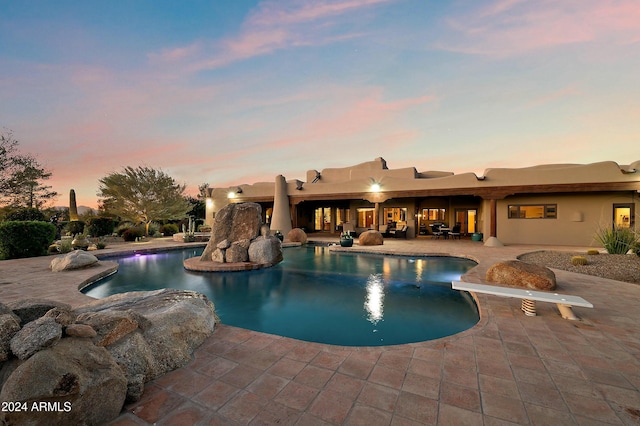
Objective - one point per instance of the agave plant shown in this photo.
(616, 239)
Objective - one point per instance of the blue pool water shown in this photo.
(313, 295)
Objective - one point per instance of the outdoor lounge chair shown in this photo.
(401, 232)
(348, 227)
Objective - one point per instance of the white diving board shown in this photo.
(529, 297)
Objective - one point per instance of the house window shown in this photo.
(343, 215)
(533, 211)
(365, 218)
(395, 214)
(434, 214)
(623, 215)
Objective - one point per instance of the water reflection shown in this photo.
(374, 302)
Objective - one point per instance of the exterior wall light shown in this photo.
(231, 194)
(375, 187)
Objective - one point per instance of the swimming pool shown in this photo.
(314, 295)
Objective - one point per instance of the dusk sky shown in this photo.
(233, 92)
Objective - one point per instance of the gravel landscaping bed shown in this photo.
(620, 267)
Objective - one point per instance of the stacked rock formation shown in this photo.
(87, 362)
(235, 237)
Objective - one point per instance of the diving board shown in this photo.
(529, 297)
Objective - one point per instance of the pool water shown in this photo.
(318, 296)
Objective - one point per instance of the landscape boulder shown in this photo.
(86, 362)
(370, 238)
(32, 309)
(297, 235)
(80, 382)
(73, 260)
(9, 326)
(238, 252)
(172, 323)
(515, 273)
(35, 336)
(265, 250)
(110, 326)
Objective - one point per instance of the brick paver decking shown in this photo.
(508, 369)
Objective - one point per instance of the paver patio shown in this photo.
(508, 369)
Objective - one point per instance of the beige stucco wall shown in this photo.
(578, 218)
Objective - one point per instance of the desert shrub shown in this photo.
(169, 229)
(26, 238)
(100, 226)
(616, 240)
(75, 227)
(593, 252)
(132, 233)
(26, 214)
(579, 260)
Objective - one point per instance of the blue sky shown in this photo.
(239, 92)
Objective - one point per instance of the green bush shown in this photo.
(169, 229)
(75, 227)
(132, 233)
(100, 226)
(26, 214)
(616, 240)
(26, 238)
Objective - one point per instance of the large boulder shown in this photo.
(9, 326)
(73, 260)
(75, 381)
(110, 326)
(370, 238)
(521, 274)
(35, 336)
(297, 235)
(32, 309)
(265, 251)
(234, 222)
(171, 324)
(238, 252)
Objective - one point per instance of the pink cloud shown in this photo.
(176, 54)
(279, 25)
(281, 13)
(508, 27)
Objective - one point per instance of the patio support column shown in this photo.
(494, 217)
(281, 216)
(376, 220)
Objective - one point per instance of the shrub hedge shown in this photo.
(132, 233)
(101, 226)
(25, 238)
(169, 229)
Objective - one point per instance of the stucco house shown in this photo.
(560, 204)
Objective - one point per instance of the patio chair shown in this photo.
(437, 233)
(455, 232)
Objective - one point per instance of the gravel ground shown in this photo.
(620, 267)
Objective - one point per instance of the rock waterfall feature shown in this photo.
(239, 242)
